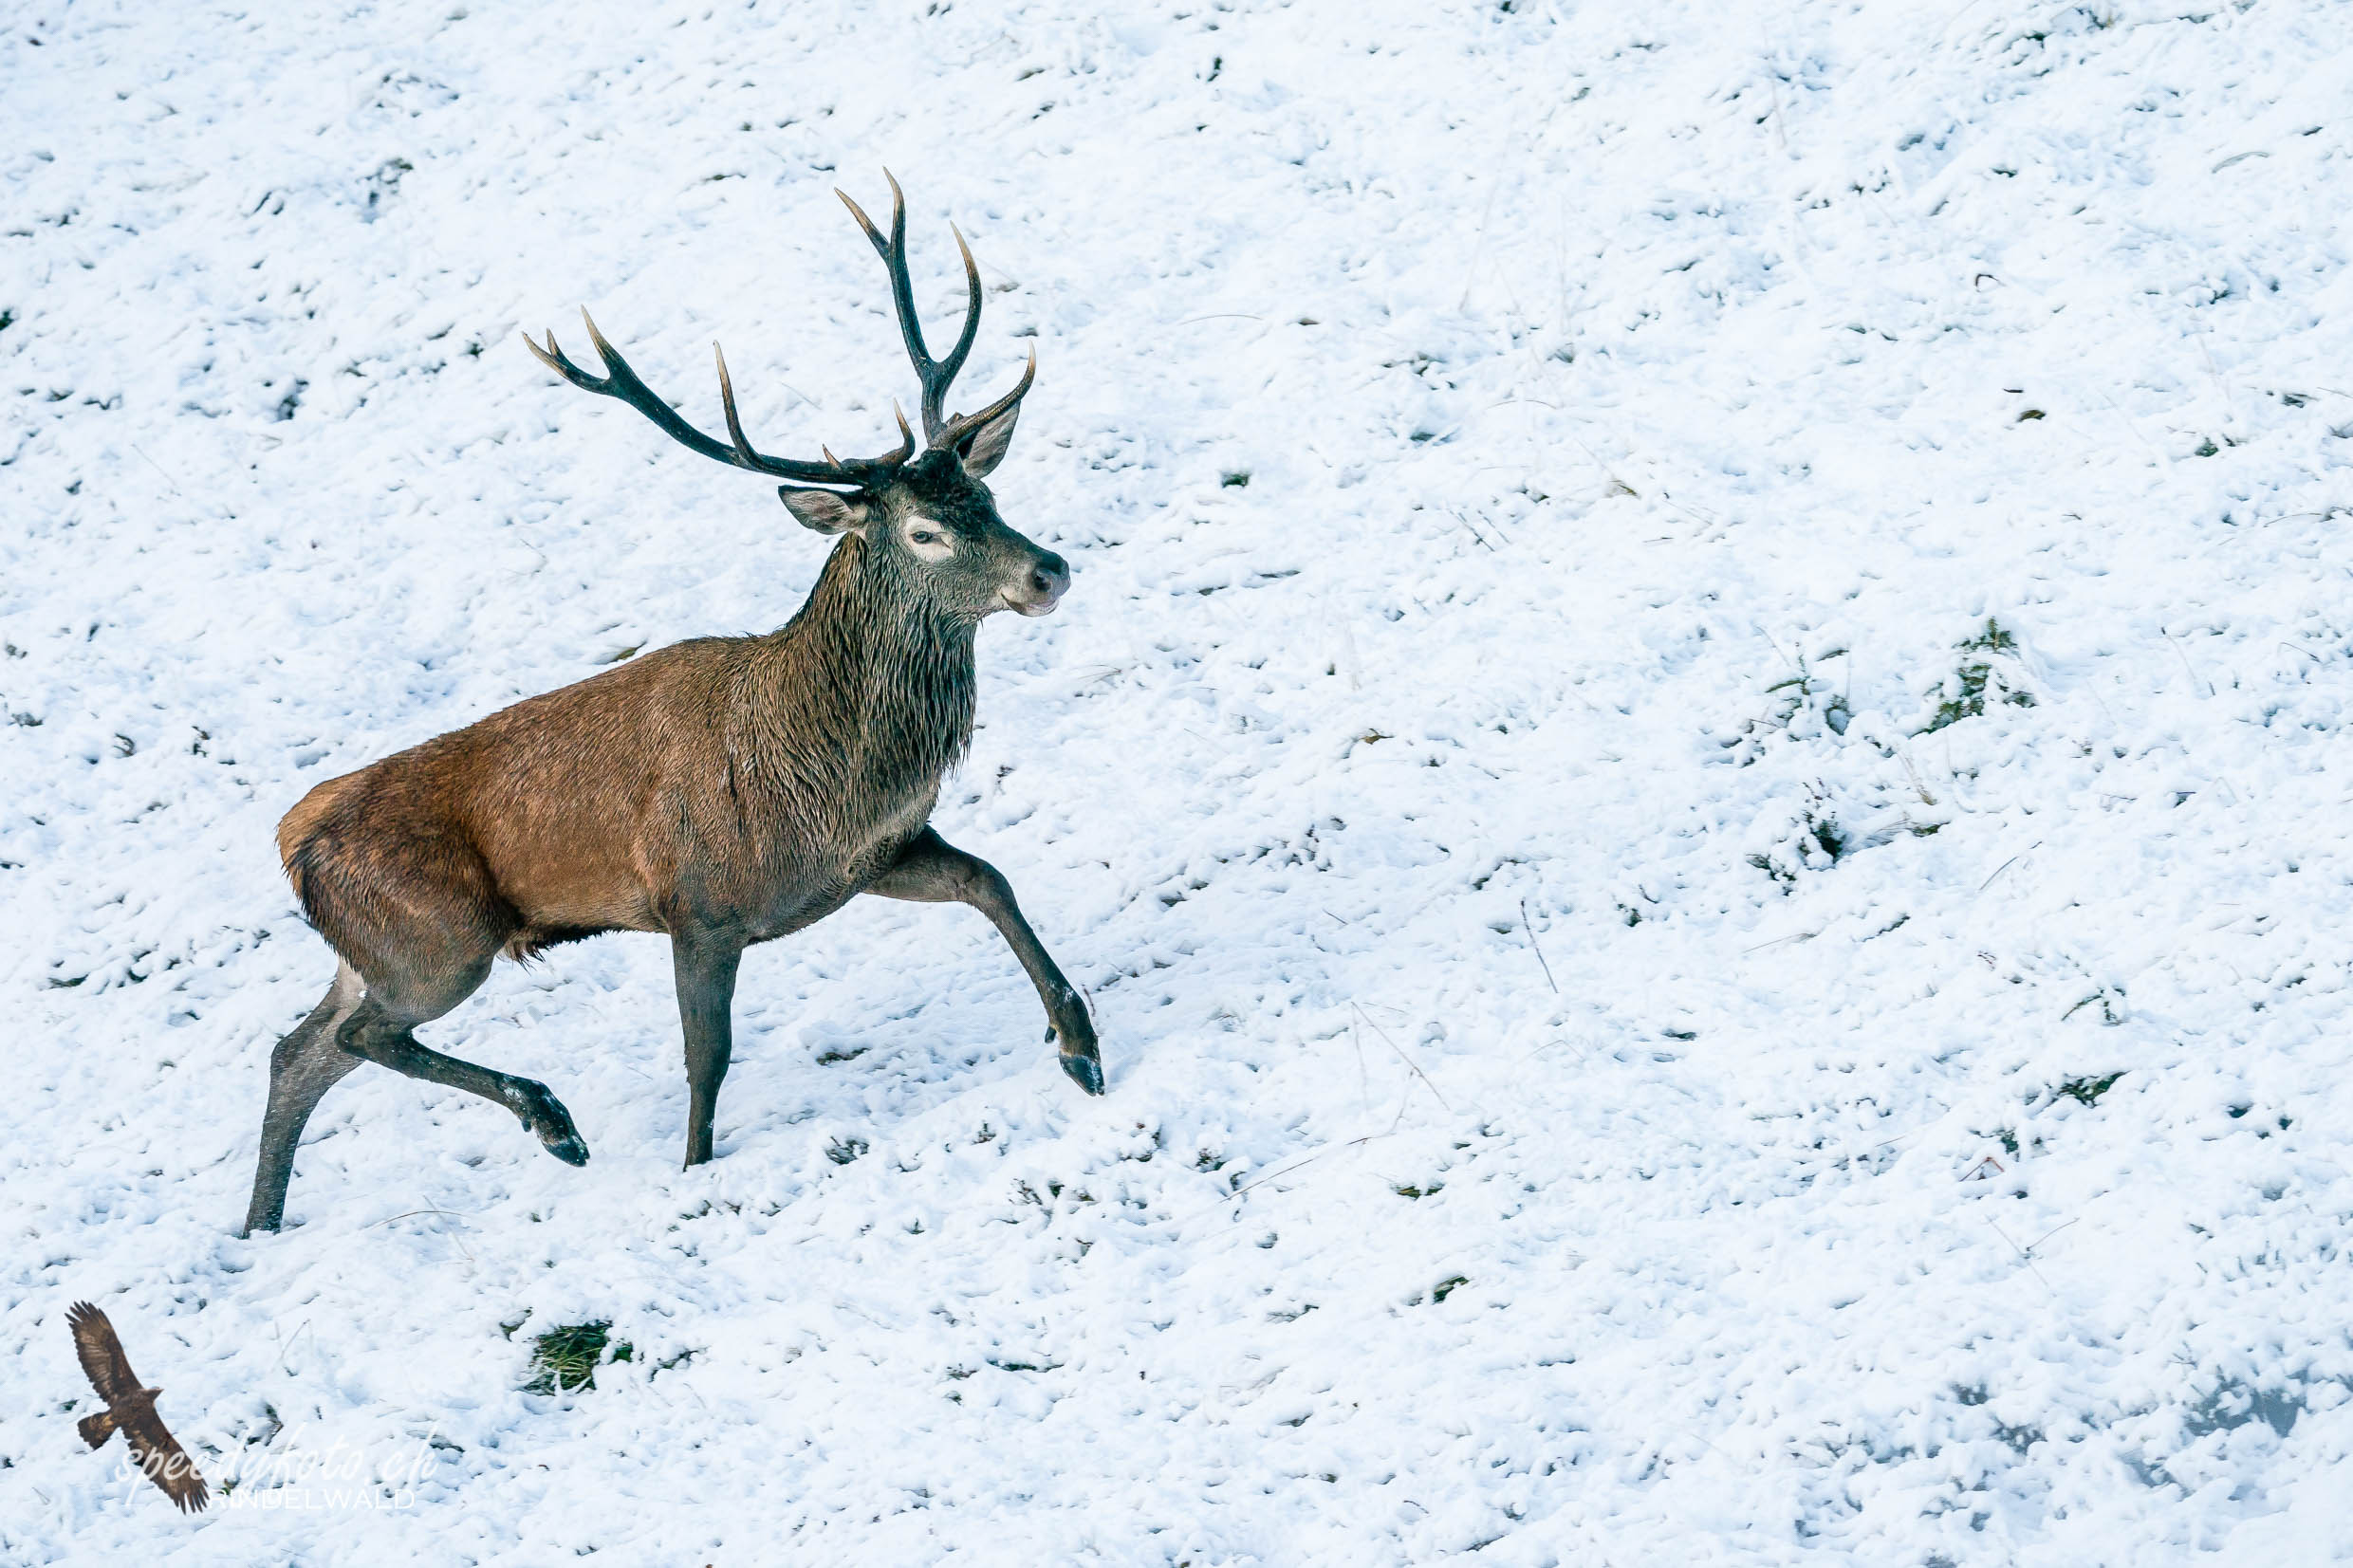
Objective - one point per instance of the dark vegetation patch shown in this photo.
(568, 1354)
(2086, 1091)
(1980, 678)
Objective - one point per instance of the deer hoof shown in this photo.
(547, 1120)
(1085, 1072)
(569, 1148)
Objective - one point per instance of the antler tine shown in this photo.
(553, 358)
(604, 351)
(873, 234)
(894, 253)
(745, 456)
(898, 217)
(963, 425)
(955, 361)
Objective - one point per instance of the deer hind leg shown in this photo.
(409, 906)
(931, 869)
(381, 1029)
(305, 1066)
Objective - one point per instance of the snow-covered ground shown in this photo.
(1601, 1071)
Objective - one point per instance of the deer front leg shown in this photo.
(706, 977)
(934, 870)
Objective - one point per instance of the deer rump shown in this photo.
(722, 791)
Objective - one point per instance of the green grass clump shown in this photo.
(568, 1354)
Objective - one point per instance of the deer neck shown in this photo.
(884, 672)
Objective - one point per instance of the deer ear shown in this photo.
(825, 511)
(982, 450)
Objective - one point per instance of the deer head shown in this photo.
(927, 522)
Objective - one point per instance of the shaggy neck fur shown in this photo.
(882, 681)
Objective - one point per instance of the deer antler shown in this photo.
(939, 432)
(621, 381)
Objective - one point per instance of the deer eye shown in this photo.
(927, 539)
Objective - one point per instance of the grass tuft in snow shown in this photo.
(568, 1354)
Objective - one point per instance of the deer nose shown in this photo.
(1050, 577)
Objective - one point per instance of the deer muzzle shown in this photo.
(1046, 580)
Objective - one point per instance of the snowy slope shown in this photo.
(1528, 790)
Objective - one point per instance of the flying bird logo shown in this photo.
(129, 1410)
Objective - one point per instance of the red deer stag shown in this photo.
(723, 791)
